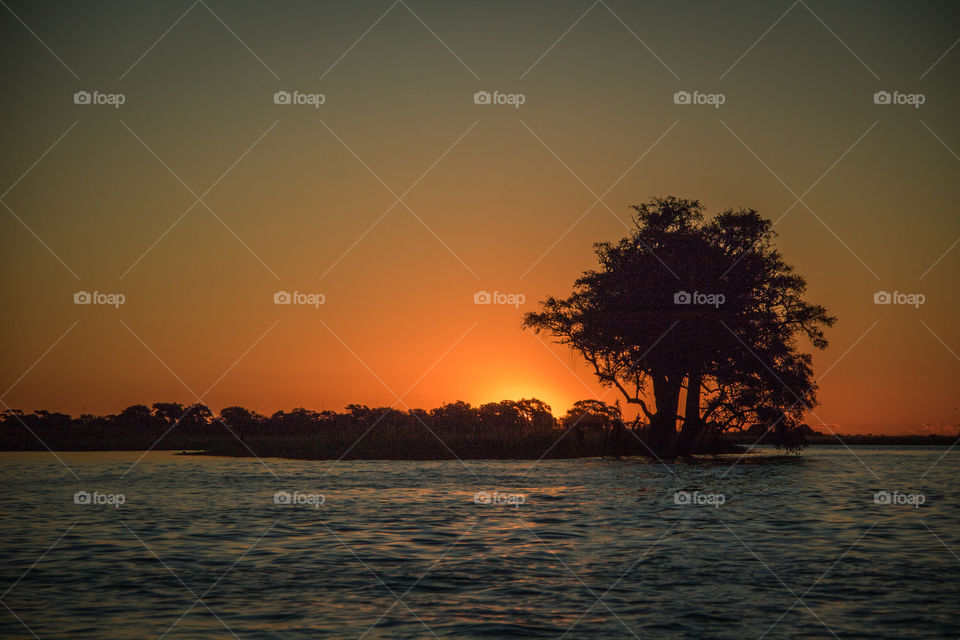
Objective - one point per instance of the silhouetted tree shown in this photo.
(536, 413)
(242, 421)
(168, 411)
(457, 415)
(136, 416)
(592, 416)
(710, 307)
(196, 419)
(503, 416)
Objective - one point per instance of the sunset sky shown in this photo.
(399, 198)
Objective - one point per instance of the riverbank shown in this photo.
(371, 445)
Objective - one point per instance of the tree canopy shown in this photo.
(705, 307)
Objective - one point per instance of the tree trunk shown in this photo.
(692, 424)
(663, 425)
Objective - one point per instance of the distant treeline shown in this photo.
(498, 430)
(928, 440)
(756, 435)
(509, 429)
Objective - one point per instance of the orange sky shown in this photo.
(492, 197)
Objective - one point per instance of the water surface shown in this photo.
(598, 548)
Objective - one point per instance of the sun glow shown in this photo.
(515, 390)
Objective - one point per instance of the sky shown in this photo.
(394, 197)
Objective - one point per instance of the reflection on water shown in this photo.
(209, 547)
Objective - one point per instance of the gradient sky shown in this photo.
(500, 198)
